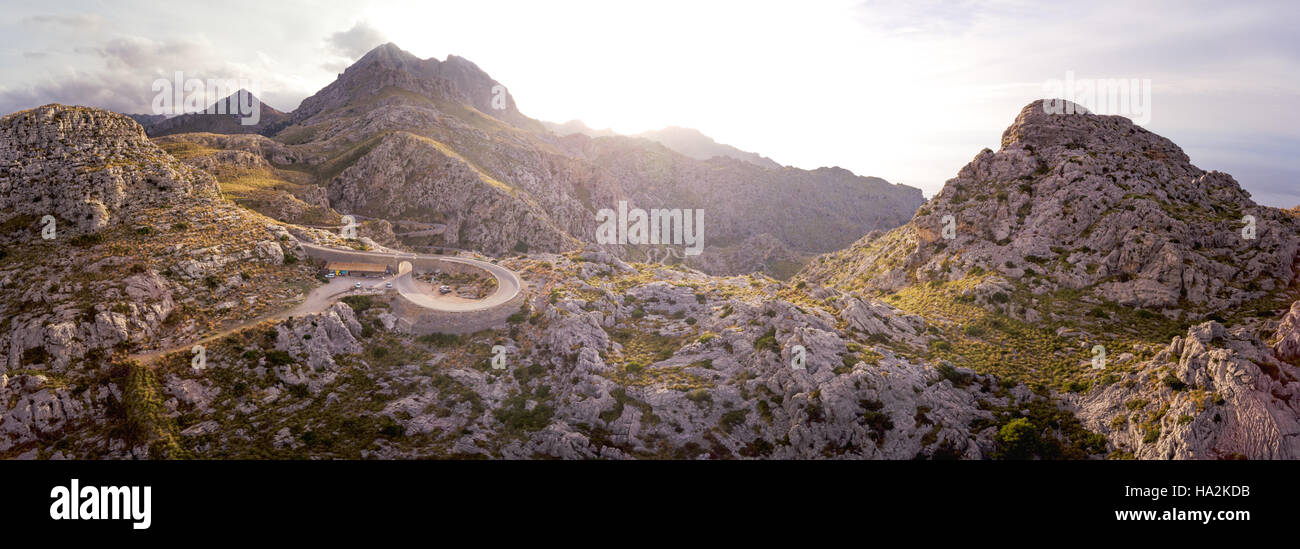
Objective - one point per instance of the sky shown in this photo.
(907, 90)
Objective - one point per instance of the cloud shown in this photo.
(925, 17)
(107, 90)
(141, 53)
(118, 74)
(356, 41)
(79, 22)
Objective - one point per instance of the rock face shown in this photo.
(1214, 394)
(38, 410)
(1287, 347)
(86, 167)
(410, 177)
(321, 336)
(1088, 202)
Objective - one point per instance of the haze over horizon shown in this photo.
(860, 85)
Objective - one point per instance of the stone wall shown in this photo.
(420, 321)
(419, 264)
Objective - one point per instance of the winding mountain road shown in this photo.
(322, 297)
(508, 283)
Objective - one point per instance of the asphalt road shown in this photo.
(419, 293)
(508, 284)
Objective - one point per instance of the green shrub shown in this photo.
(90, 239)
(440, 339)
(278, 358)
(767, 341)
(1018, 439)
(1171, 381)
(699, 396)
(732, 419)
(950, 373)
(359, 303)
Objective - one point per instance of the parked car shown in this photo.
(329, 275)
(445, 289)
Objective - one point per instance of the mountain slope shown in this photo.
(1089, 257)
(1089, 203)
(86, 167)
(687, 141)
(696, 145)
(456, 80)
(342, 139)
(221, 117)
(145, 254)
(608, 359)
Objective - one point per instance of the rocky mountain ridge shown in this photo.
(1088, 202)
(1090, 256)
(687, 141)
(451, 111)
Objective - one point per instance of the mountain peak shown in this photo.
(1089, 202)
(388, 67)
(224, 116)
(385, 51)
(389, 56)
(1047, 123)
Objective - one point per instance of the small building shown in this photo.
(354, 268)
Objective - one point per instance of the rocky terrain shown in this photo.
(1089, 257)
(606, 359)
(1082, 293)
(143, 254)
(440, 143)
(86, 168)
